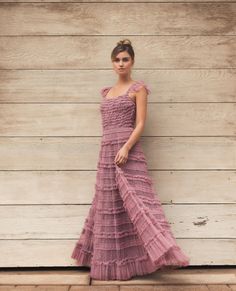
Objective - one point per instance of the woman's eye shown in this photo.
(124, 60)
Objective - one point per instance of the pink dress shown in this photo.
(126, 232)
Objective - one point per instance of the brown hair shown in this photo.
(121, 46)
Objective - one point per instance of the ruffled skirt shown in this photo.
(126, 232)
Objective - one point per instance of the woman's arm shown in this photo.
(141, 112)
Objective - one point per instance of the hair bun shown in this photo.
(124, 45)
(124, 42)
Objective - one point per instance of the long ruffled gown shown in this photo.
(126, 232)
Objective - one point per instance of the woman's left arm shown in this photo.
(141, 113)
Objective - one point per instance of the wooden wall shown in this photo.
(54, 58)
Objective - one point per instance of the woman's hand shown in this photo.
(122, 155)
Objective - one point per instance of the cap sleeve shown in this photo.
(104, 90)
(137, 86)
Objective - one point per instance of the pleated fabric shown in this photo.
(126, 232)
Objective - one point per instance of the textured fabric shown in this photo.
(126, 232)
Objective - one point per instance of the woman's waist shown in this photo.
(115, 132)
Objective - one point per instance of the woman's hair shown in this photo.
(123, 45)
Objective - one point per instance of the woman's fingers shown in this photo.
(122, 161)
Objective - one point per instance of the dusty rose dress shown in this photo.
(126, 232)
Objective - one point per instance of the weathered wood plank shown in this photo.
(190, 119)
(56, 252)
(66, 221)
(215, 287)
(93, 288)
(60, 278)
(138, 287)
(74, 52)
(40, 288)
(79, 18)
(171, 287)
(138, 283)
(82, 153)
(65, 86)
(179, 277)
(77, 187)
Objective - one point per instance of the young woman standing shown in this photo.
(126, 232)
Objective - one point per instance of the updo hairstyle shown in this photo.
(121, 46)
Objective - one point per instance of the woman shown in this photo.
(126, 232)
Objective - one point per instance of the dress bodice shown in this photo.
(120, 111)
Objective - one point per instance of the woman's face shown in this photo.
(122, 63)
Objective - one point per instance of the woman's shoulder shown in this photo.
(104, 90)
(141, 84)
